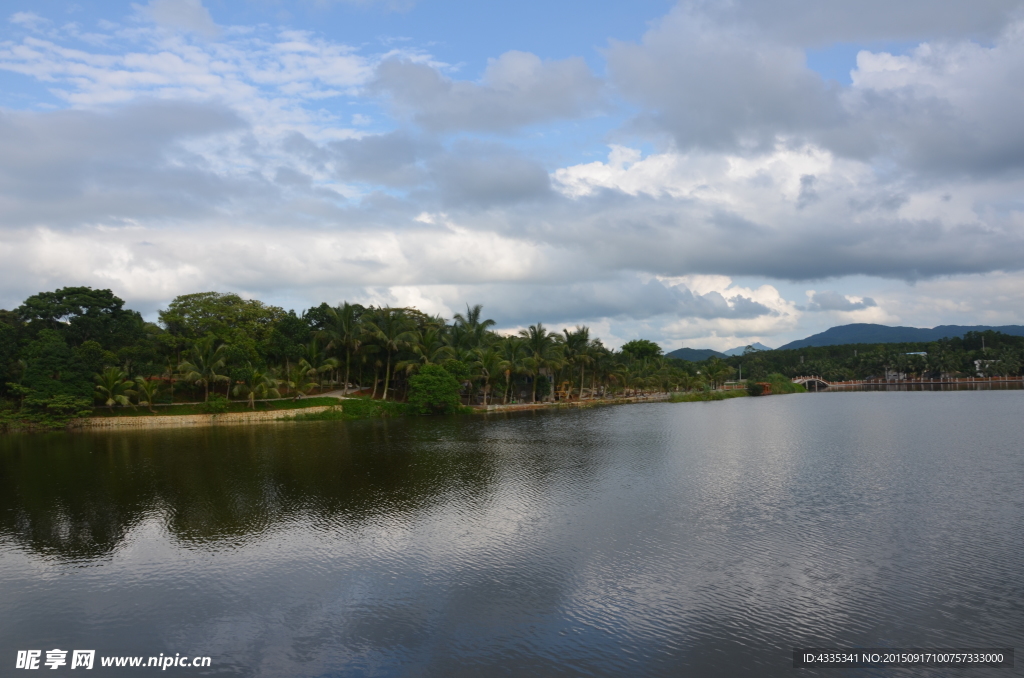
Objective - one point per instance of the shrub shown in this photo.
(217, 404)
(433, 390)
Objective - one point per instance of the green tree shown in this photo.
(428, 347)
(256, 384)
(576, 350)
(487, 364)
(298, 380)
(342, 331)
(51, 367)
(228, 317)
(114, 388)
(205, 364)
(147, 390)
(470, 330)
(514, 359)
(542, 350)
(641, 349)
(83, 314)
(433, 390)
(391, 330)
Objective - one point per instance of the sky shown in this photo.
(706, 174)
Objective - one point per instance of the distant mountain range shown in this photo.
(694, 355)
(866, 333)
(857, 333)
(740, 349)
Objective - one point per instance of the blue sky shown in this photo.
(700, 173)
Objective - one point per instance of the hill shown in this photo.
(867, 333)
(694, 355)
(740, 349)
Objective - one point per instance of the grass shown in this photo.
(355, 408)
(233, 406)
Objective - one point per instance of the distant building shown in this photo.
(980, 365)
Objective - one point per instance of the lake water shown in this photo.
(704, 539)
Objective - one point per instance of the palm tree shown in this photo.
(576, 350)
(203, 364)
(470, 329)
(113, 388)
(316, 361)
(428, 347)
(147, 390)
(716, 372)
(170, 371)
(542, 349)
(690, 381)
(391, 330)
(513, 358)
(487, 363)
(298, 380)
(257, 384)
(343, 334)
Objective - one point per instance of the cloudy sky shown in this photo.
(706, 174)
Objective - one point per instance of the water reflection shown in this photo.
(703, 538)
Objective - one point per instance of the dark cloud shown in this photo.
(517, 89)
(822, 22)
(485, 175)
(392, 159)
(719, 87)
(833, 301)
(623, 297)
(70, 167)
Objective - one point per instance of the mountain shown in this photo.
(866, 333)
(740, 349)
(694, 355)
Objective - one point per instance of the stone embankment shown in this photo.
(189, 420)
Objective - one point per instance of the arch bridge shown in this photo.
(812, 383)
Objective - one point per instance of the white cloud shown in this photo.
(179, 164)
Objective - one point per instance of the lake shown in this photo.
(657, 539)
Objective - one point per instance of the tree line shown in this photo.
(77, 347)
(987, 354)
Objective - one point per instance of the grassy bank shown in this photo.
(705, 396)
(781, 384)
(217, 407)
(355, 408)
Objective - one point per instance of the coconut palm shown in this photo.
(576, 350)
(716, 372)
(343, 334)
(470, 330)
(513, 357)
(147, 390)
(391, 330)
(316, 361)
(298, 380)
(543, 351)
(428, 348)
(203, 364)
(114, 388)
(487, 363)
(257, 384)
(688, 381)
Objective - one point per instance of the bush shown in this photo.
(754, 388)
(38, 412)
(433, 390)
(217, 404)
